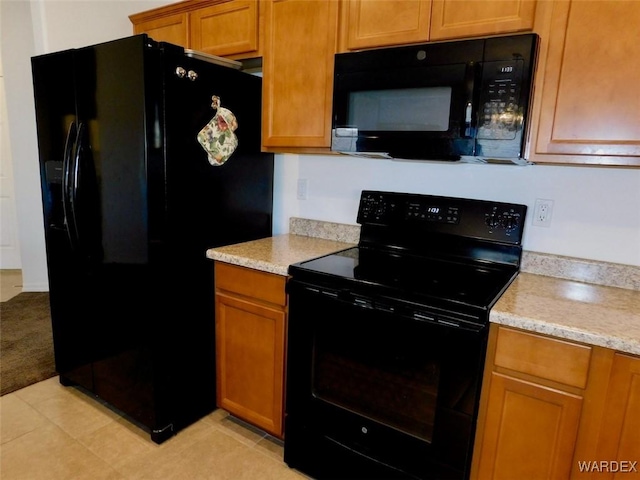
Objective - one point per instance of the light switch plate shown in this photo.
(303, 187)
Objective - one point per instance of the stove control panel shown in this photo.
(505, 217)
(479, 219)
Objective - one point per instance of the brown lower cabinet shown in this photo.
(619, 438)
(550, 408)
(250, 345)
(555, 409)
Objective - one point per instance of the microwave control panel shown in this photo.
(500, 116)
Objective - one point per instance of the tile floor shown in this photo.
(10, 284)
(52, 432)
(57, 433)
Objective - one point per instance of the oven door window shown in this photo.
(415, 377)
(388, 375)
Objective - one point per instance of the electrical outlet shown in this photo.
(542, 212)
(303, 186)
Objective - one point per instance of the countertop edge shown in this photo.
(629, 346)
(243, 261)
(275, 254)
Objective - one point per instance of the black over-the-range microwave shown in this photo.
(463, 100)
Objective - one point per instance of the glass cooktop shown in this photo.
(410, 277)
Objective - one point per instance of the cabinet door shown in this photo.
(250, 361)
(170, 28)
(619, 439)
(590, 99)
(529, 432)
(466, 18)
(298, 73)
(367, 23)
(226, 29)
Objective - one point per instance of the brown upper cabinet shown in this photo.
(590, 54)
(379, 23)
(229, 28)
(470, 18)
(163, 25)
(300, 43)
(226, 29)
(367, 24)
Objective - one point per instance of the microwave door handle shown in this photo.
(467, 120)
(472, 80)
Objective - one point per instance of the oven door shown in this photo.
(372, 393)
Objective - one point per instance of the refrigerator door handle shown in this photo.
(67, 183)
(84, 199)
(75, 181)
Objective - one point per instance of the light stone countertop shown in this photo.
(593, 314)
(275, 254)
(559, 296)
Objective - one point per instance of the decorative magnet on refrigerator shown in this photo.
(217, 137)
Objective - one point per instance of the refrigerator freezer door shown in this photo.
(69, 280)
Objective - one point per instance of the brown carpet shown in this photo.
(26, 341)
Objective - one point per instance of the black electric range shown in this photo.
(386, 340)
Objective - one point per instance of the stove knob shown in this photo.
(510, 223)
(492, 221)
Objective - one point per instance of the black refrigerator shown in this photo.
(132, 199)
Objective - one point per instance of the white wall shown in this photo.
(596, 211)
(9, 241)
(17, 45)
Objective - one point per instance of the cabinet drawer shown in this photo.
(259, 285)
(548, 358)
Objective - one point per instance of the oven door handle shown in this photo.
(453, 323)
(389, 307)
